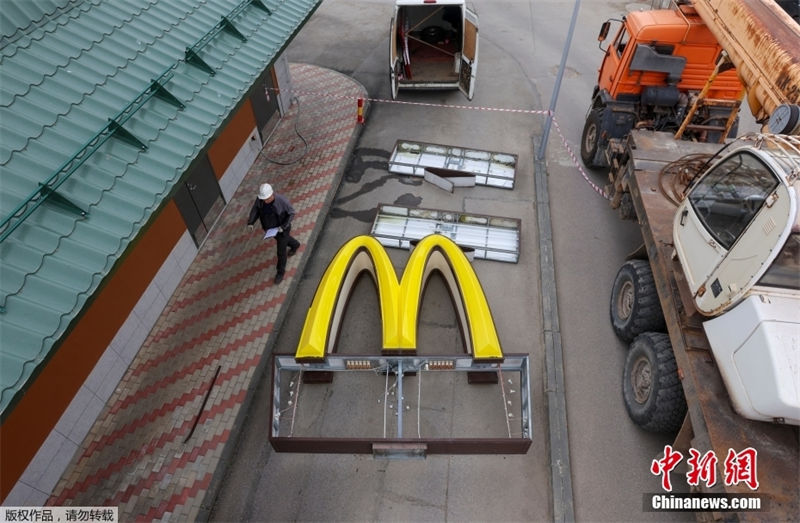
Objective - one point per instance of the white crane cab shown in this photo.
(434, 45)
(737, 235)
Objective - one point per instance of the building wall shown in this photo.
(50, 422)
(39, 410)
(224, 149)
(53, 417)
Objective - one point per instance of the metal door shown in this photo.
(200, 200)
(469, 54)
(284, 80)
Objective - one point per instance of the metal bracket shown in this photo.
(228, 26)
(52, 196)
(261, 5)
(117, 131)
(161, 92)
(194, 59)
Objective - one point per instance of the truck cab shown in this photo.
(433, 45)
(653, 69)
(737, 236)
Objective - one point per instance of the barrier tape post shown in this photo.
(360, 117)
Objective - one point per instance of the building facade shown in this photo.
(126, 127)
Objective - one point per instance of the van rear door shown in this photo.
(394, 58)
(469, 54)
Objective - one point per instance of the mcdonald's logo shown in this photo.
(399, 300)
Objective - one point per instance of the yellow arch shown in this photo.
(399, 301)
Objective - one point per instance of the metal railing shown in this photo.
(115, 125)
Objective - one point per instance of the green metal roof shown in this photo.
(78, 79)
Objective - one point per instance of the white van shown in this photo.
(434, 45)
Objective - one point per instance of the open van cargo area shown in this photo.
(434, 45)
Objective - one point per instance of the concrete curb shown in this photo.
(561, 474)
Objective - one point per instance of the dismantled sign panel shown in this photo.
(490, 168)
(490, 237)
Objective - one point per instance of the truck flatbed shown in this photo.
(714, 424)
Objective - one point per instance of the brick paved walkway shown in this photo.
(141, 453)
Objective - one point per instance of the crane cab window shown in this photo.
(731, 194)
(621, 41)
(785, 270)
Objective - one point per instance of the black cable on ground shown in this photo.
(297, 132)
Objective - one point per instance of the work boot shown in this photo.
(278, 278)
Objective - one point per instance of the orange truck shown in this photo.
(653, 69)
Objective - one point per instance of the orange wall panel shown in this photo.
(48, 396)
(228, 143)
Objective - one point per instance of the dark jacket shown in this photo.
(281, 217)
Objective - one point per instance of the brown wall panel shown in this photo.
(46, 399)
(228, 143)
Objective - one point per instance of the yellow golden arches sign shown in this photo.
(399, 300)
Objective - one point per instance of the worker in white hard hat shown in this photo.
(276, 214)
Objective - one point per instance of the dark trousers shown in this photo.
(284, 239)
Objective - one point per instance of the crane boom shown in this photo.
(763, 42)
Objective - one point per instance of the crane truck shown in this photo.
(709, 304)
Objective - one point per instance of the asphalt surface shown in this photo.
(520, 48)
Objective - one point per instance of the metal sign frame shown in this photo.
(400, 447)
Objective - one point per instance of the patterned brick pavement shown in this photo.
(141, 454)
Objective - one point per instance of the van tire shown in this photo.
(634, 306)
(590, 138)
(651, 389)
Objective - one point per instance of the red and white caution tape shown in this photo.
(360, 100)
(594, 186)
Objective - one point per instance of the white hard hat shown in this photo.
(265, 191)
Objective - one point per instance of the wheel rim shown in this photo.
(591, 138)
(625, 300)
(642, 380)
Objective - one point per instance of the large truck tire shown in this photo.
(590, 138)
(651, 390)
(635, 307)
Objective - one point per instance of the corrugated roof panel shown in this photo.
(25, 109)
(11, 280)
(94, 59)
(75, 41)
(21, 73)
(15, 130)
(47, 145)
(20, 310)
(62, 270)
(112, 17)
(48, 104)
(36, 237)
(144, 180)
(19, 255)
(56, 283)
(115, 215)
(92, 179)
(99, 237)
(17, 16)
(17, 179)
(9, 88)
(12, 367)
